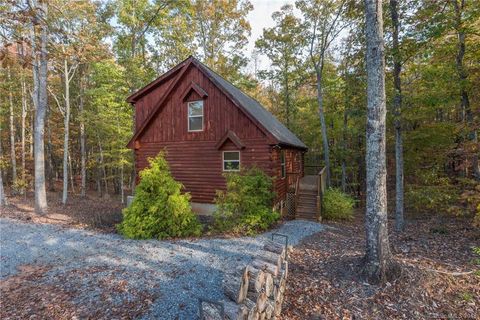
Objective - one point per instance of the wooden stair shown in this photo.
(307, 199)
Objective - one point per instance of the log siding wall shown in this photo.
(194, 158)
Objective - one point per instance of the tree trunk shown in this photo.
(32, 122)
(24, 116)
(99, 177)
(72, 177)
(465, 109)
(121, 184)
(133, 176)
(378, 260)
(344, 146)
(3, 197)
(83, 151)
(50, 165)
(321, 114)
(66, 126)
(397, 107)
(40, 70)
(12, 128)
(287, 98)
(102, 165)
(475, 162)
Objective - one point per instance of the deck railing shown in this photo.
(321, 187)
(297, 192)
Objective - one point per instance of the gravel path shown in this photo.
(174, 272)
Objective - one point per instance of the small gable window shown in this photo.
(283, 164)
(195, 116)
(231, 160)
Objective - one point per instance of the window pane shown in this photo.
(195, 123)
(231, 155)
(195, 108)
(231, 165)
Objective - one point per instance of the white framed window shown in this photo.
(231, 160)
(283, 164)
(195, 116)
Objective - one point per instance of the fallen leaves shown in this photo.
(74, 294)
(89, 212)
(438, 278)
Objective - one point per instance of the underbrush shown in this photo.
(337, 205)
(246, 206)
(435, 194)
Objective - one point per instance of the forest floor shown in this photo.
(440, 276)
(91, 212)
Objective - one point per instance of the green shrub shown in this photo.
(337, 205)
(434, 198)
(246, 206)
(159, 209)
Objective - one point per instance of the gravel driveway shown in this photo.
(172, 274)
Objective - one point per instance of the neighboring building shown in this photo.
(210, 127)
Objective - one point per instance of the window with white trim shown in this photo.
(231, 160)
(195, 116)
(283, 164)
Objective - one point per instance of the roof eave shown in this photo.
(289, 145)
(134, 97)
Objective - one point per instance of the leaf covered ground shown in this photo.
(90, 212)
(440, 277)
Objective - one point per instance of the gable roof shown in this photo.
(152, 85)
(251, 106)
(266, 119)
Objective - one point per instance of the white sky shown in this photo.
(261, 17)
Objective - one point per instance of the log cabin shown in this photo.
(209, 127)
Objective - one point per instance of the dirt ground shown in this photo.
(440, 274)
(91, 212)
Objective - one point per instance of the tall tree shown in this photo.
(323, 22)
(83, 137)
(222, 33)
(397, 105)
(40, 75)
(13, 154)
(460, 27)
(283, 45)
(75, 39)
(3, 197)
(378, 259)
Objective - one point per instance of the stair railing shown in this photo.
(321, 186)
(297, 192)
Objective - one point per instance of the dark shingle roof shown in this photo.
(268, 120)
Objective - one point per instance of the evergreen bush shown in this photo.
(246, 206)
(337, 205)
(159, 209)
